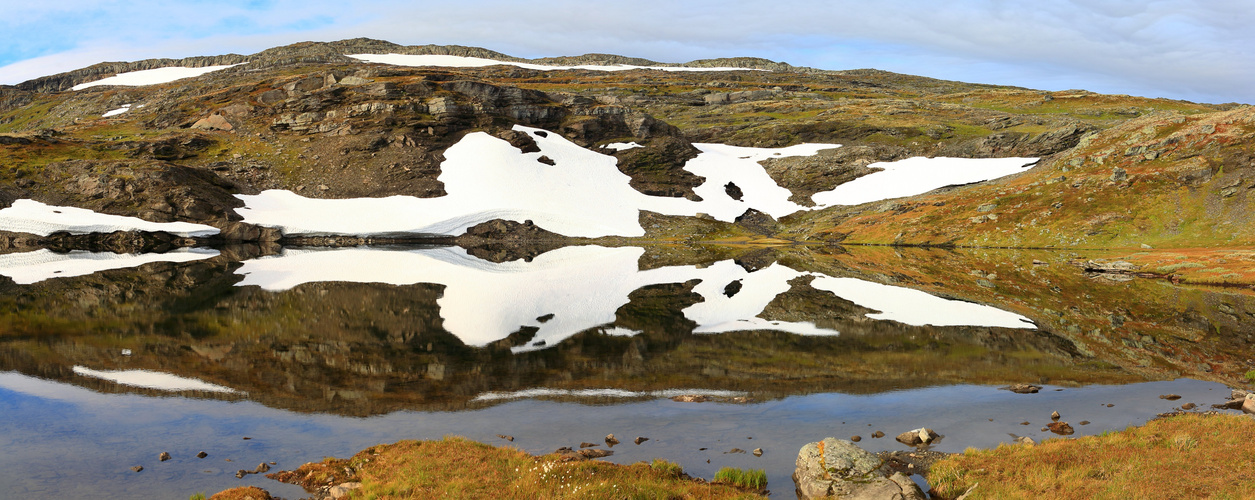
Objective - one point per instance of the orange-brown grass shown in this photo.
(459, 468)
(241, 493)
(1228, 266)
(1187, 456)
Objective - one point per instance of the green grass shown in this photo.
(1250, 376)
(750, 479)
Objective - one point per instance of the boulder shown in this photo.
(836, 468)
(1024, 388)
(1248, 405)
(342, 490)
(213, 122)
(917, 437)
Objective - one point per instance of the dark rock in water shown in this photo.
(758, 452)
(137, 468)
(734, 450)
(1023, 388)
(1024, 423)
(202, 455)
(1188, 406)
(163, 456)
(261, 467)
(856, 438)
(505, 437)
(566, 454)
(588, 445)
(1083, 422)
(878, 434)
(611, 441)
(835, 468)
(1170, 397)
(1061, 428)
(239, 474)
(733, 191)
(640, 440)
(1054, 415)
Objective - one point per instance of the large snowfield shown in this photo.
(584, 195)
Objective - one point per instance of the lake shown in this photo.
(108, 360)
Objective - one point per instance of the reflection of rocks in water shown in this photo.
(503, 240)
(362, 348)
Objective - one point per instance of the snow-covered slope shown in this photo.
(445, 61)
(29, 216)
(584, 195)
(152, 76)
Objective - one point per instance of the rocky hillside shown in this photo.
(309, 119)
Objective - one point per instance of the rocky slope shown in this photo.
(307, 118)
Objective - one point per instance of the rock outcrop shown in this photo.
(836, 468)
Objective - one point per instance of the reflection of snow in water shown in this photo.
(604, 393)
(32, 267)
(152, 380)
(583, 287)
(29, 216)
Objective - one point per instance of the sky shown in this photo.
(1198, 50)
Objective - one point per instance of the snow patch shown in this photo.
(152, 76)
(114, 112)
(446, 61)
(30, 216)
(152, 380)
(919, 175)
(621, 146)
(39, 265)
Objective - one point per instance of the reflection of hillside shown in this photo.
(1152, 328)
(362, 348)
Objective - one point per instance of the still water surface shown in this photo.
(317, 352)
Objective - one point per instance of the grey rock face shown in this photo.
(836, 468)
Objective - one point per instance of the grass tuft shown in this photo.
(754, 479)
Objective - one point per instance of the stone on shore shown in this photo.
(836, 468)
(917, 437)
